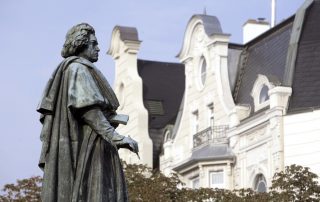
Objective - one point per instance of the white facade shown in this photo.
(301, 139)
(249, 147)
(128, 88)
(206, 91)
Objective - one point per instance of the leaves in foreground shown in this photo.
(295, 183)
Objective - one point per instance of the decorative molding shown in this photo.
(279, 97)
(187, 42)
(260, 82)
(119, 45)
(254, 171)
(238, 113)
(223, 85)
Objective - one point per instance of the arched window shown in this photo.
(202, 72)
(260, 183)
(260, 92)
(264, 94)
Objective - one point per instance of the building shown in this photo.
(229, 115)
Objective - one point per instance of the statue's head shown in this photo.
(81, 41)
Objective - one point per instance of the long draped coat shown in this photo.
(78, 164)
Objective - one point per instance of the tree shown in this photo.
(26, 190)
(295, 183)
(144, 184)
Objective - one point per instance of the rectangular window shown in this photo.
(195, 183)
(210, 115)
(216, 179)
(195, 122)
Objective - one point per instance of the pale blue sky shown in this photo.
(32, 34)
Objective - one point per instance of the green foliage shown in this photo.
(26, 190)
(295, 183)
(144, 184)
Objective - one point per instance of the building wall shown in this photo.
(128, 88)
(302, 139)
(263, 142)
(256, 144)
(198, 100)
(202, 173)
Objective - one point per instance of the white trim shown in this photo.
(193, 180)
(218, 185)
(201, 83)
(254, 172)
(223, 85)
(255, 182)
(260, 82)
(119, 46)
(121, 95)
(167, 134)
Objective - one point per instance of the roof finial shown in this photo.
(205, 11)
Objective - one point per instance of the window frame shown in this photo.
(202, 72)
(216, 185)
(193, 184)
(259, 84)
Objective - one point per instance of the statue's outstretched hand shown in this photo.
(131, 144)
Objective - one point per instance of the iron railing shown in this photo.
(211, 134)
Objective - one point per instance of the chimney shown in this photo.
(253, 28)
(273, 13)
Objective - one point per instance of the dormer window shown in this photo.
(260, 92)
(264, 94)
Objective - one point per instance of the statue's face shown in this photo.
(91, 53)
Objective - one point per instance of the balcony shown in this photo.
(216, 134)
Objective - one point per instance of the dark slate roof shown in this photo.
(128, 33)
(163, 88)
(289, 55)
(264, 55)
(209, 152)
(234, 51)
(211, 24)
(306, 78)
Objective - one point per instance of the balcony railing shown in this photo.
(211, 134)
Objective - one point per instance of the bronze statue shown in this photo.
(79, 154)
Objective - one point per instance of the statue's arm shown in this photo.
(97, 121)
(85, 101)
(95, 118)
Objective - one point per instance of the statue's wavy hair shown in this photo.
(77, 39)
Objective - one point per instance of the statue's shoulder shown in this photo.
(76, 64)
(85, 62)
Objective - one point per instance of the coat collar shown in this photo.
(86, 62)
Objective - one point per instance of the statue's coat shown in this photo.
(78, 164)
